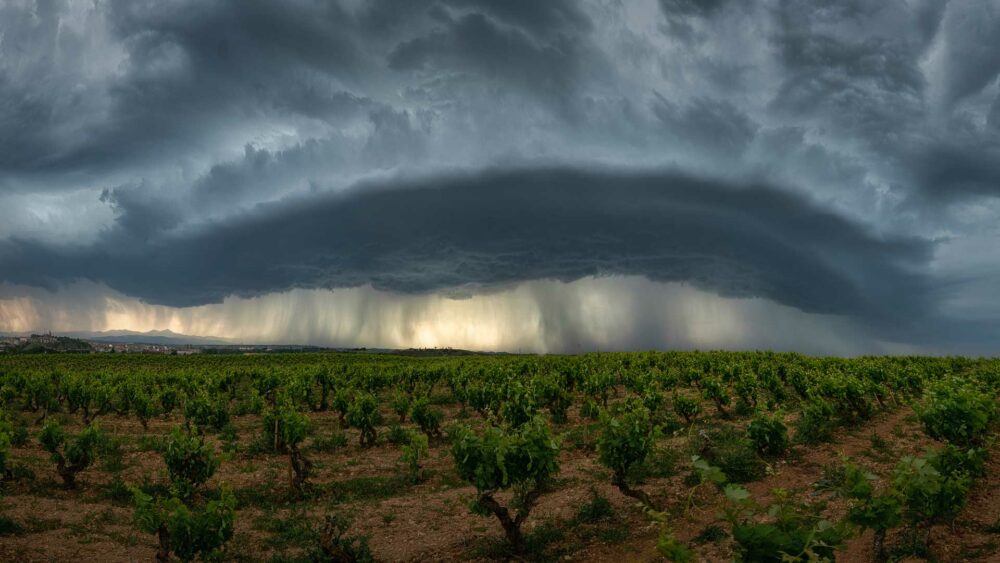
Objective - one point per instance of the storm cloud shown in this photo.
(835, 157)
(510, 226)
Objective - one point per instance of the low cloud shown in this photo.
(497, 227)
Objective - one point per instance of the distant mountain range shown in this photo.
(167, 337)
(163, 337)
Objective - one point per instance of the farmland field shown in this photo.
(599, 457)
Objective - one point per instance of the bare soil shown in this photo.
(430, 520)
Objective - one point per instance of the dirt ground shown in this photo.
(431, 521)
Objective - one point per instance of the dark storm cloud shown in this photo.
(871, 84)
(542, 18)
(971, 58)
(188, 69)
(187, 73)
(503, 56)
(706, 125)
(217, 147)
(945, 171)
(691, 7)
(501, 227)
(892, 86)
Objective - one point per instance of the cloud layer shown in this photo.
(836, 157)
(500, 227)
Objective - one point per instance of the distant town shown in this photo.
(49, 343)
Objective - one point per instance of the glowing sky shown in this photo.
(621, 313)
(547, 176)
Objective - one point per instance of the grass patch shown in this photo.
(537, 544)
(582, 438)
(450, 480)
(879, 450)
(34, 524)
(613, 534)
(266, 496)
(117, 492)
(368, 488)
(326, 444)
(597, 509)
(151, 443)
(293, 530)
(711, 534)
(111, 454)
(10, 527)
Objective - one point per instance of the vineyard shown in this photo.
(372, 457)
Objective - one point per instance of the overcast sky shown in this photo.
(557, 176)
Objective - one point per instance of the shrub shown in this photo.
(523, 459)
(168, 400)
(590, 409)
(397, 434)
(6, 434)
(781, 532)
(704, 473)
(324, 379)
(427, 417)
(922, 491)
(876, 512)
(190, 462)
(730, 450)
(713, 390)
(957, 413)
(815, 423)
(184, 531)
(929, 495)
(556, 398)
(598, 386)
(768, 434)
(206, 412)
(625, 442)
(144, 407)
(686, 407)
(400, 404)
(671, 549)
(413, 453)
(953, 460)
(19, 433)
(519, 406)
(364, 415)
(230, 439)
(745, 387)
(342, 403)
(70, 454)
(333, 545)
(289, 429)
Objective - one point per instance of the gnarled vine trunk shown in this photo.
(878, 546)
(299, 470)
(68, 472)
(512, 525)
(163, 551)
(618, 480)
